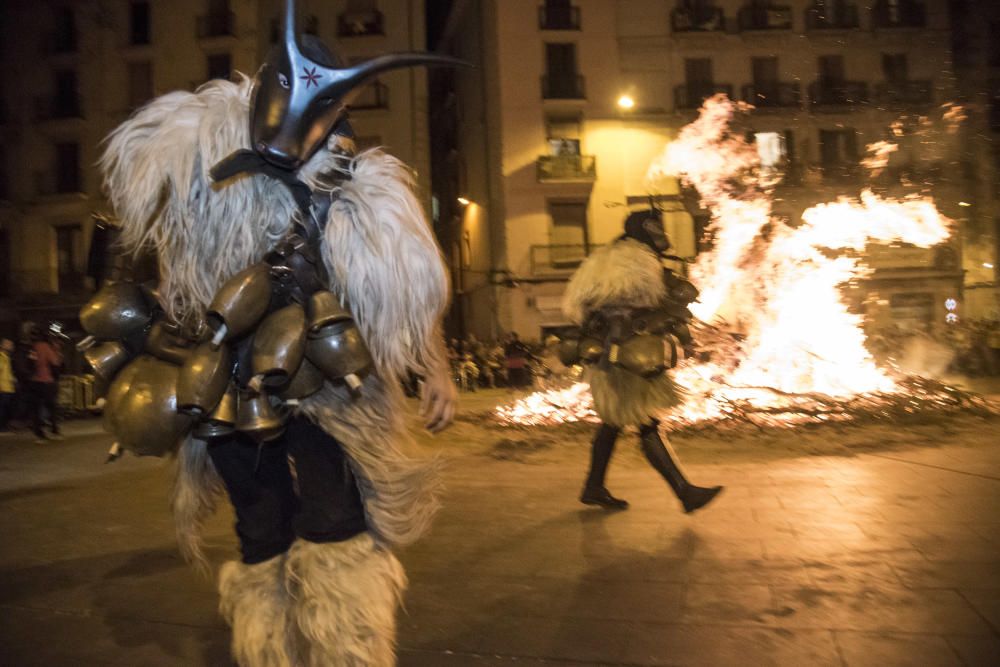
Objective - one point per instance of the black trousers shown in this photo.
(43, 397)
(299, 485)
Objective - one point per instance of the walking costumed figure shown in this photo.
(299, 282)
(632, 314)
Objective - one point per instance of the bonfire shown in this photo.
(780, 346)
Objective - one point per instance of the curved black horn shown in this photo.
(347, 79)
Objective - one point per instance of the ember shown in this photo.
(786, 350)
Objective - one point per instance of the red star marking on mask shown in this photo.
(311, 77)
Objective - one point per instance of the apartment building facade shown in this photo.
(557, 157)
(76, 69)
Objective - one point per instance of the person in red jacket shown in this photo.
(43, 387)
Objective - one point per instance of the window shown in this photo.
(568, 234)
(68, 241)
(770, 149)
(894, 67)
(561, 79)
(698, 80)
(139, 24)
(838, 148)
(65, 31)
(559, 15)
(4, 263)
(563, 135)
(219, 66)
(993, 59)
(360, 18)
(67, 167)
(831, 69)
(140, 84)
(765, 74)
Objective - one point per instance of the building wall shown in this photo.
(178, 52)
(631, 47)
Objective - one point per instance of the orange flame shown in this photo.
(781, 290)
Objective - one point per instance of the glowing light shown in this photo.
(950, 304)
(951, 318)
(463, 201)
(626, 102)
(987, 265)
(964, 203)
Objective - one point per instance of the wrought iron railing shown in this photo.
(901, 14)
(691, 95)
(837, 93)
(58, 107)
(833, 16)
(375, 96)
(566, 168)
(904, 93)
(763, 16)
(563, 87)
(701, 18)
(779, 94)
(559, 259)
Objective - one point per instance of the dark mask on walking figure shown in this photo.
(647, 227)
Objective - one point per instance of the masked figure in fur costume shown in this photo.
(298, 284)
(633, 315)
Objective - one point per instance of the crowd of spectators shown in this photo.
(29, 381)
(506, 362)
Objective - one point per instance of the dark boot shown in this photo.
(594, 492)
(691, 496)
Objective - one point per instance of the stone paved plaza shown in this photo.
(884, 557)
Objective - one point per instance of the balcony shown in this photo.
(837, 93)
(691, 95)
(901, 14)
(778, 95)
(836, 17)
(220, 24)
(59, 107)
(840, 173)
(566, 168)
(904, 93)
(701, 18)
(558, 260)
(50, 184)
(760, 16)
(563, 87)
(559, 18)
(374, 96)
(361, 24)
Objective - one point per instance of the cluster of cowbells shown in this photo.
(161, 386)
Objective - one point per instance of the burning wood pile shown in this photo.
(778, 344)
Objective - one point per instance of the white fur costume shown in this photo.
(318, 604)
(623, 274)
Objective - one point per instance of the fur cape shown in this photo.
(622, 274)
(382, 259)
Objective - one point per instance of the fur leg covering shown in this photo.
(346, 595)
(255, 603)
(197, 489)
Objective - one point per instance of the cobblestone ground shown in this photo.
(881, 551)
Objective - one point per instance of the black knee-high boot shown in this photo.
(594, 492)
(658, 455)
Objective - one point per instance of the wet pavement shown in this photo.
(882, 558)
